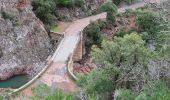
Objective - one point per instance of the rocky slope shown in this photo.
(24, 43)
(90, 7)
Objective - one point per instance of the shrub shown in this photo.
(93, 34)
(129, 1)
(150, 22)
(102, 24)
(43, 92)
(44, 10)
(80, 3)
(110, 8)
(64, 3)
(121, 34)
(110, 18)
(7, 15)
(117, 2)
(124, 94)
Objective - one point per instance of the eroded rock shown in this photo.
(23, 40)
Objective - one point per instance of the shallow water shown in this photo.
(14, 82)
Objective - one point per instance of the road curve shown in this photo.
(56, 75)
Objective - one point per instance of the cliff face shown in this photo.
(24, 43)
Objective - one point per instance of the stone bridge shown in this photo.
(55, 73)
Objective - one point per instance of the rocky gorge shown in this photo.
(24, 42)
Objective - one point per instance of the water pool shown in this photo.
(14, 82)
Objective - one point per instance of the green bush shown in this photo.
(124, 94)
(69, 3)
(156, 90)
(117, 2)
(80, 3)
(111, 10)
(64, 3)
(150, 22)
(110, 18)
(7, 15)
(44, 10)
(93, 35)
(102, 24)
(121, 34)
(43, 92)
(129, 1)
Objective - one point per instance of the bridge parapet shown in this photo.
(78, 52)
(76, 56)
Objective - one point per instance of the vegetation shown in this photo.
(150, 22)
(158, 91)
(134, 65)
(65, 3)
(55, 28)
(69, 3)
(120, 62)
(7, 15)
(44, 10)
(111, 10)
(43, 92)
(93, 34)
(117, 2)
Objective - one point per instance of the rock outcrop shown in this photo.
(24, 42)
(90, 7)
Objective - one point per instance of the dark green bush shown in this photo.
(44, 10)
(150, 22)
(102, 24)
(79, 3)
(69, 3)
(121, 34)
(110, 18)
(64, 3)
(92, 35)
(111, 10)
(7, 15)
(117, 2)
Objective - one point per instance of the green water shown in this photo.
(14, 82)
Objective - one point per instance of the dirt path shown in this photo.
(62, 26)
(56, 75)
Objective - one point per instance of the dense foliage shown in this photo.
(111, 10)
(93, 34)
(117, 2)
(150, 22)
(44, 10)
(135, 66)
(118, 61)
(43, 92)
(157, 90)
